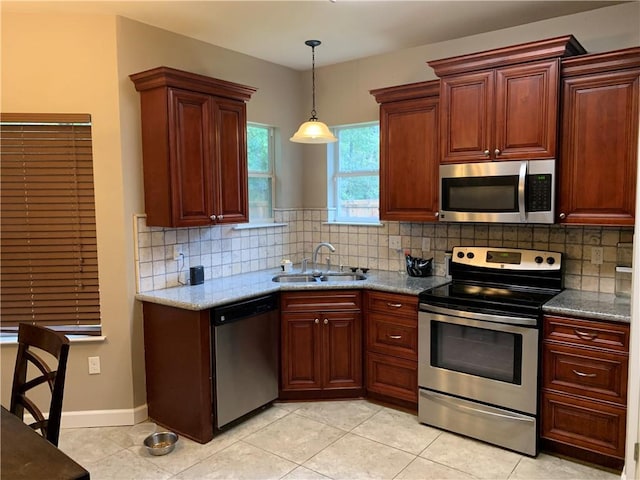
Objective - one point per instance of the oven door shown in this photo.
(489, 359)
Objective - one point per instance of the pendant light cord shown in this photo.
(313, 83)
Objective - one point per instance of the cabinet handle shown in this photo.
(326, 321)
(394, 305)
(582, 374)
(562, 216)
(395, 337)
(497, 151)
(213, 217)
(486, 153)
(316, 321)
(585, 335)
(220, 217)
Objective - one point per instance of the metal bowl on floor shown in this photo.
(161, 443)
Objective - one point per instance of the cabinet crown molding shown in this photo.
(565, 46)
(623, 59)
(171, 77)
(409, 91)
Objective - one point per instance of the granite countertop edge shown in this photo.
(225, 290)
(591, 305)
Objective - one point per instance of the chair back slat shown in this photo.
(57, 345)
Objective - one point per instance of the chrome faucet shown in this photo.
(315, 254)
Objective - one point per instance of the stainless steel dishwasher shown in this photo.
(245, 355)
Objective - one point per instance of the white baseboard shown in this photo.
(100, 418)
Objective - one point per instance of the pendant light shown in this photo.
(313, 131)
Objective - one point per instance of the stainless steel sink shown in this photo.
(324, 277)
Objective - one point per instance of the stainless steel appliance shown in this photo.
(478, 344)
(245, 352)
(509, 192)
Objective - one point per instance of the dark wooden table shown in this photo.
(26, 455)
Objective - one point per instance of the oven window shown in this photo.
(480, 194)
(477, 351)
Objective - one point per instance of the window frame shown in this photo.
(334, 174)
(270, 174)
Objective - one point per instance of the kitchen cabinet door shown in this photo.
(409, 151)
(191, 159)
(301, 349)
(598, 165)
(409, 159)
(231, 141)
(342, 350)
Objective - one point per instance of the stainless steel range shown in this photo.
(478, 351)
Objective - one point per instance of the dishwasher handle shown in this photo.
(241, 310)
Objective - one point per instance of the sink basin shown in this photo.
(325, 277)
(342, 277)
(295, 277)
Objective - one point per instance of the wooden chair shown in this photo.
(56, 344)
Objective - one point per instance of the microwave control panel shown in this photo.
(538, 192)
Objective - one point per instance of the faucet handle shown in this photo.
(305, 261)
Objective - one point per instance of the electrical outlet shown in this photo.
(94, 365)
(177, 251)
(426, 244)
(596, 255)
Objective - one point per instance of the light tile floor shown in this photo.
(316, 440)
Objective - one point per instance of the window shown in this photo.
(48, 256)
(260, 158)
(354, 171)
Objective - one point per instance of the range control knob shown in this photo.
(470, 255)
(460, 254)
(551, 260)
(539, 259)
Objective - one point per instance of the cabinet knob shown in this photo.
(316, 321)
(497, 151)
(487, 153)
(437, 214)
(220, 217)
(562, 216)
(326, 321)
(213, 217)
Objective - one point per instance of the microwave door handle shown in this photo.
(521, 190)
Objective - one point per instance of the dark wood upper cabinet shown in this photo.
(409, 151)
(598, 162)
(502, 104)
(194, 148)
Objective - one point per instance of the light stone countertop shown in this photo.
(598, 306)
(225, 290)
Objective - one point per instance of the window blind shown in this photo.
(48, 251)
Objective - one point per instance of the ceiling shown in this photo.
(275, 31)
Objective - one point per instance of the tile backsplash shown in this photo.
(228, 250)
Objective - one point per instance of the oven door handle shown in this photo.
(521, 190)
(444, 401)
(509, 320)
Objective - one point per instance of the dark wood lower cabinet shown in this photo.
(583, 406)
(321, 353)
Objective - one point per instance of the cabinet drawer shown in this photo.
(392, 377)
(590, 425)
(581, 371)
(393, 303)
(317, 300)
(392, 336)
(612, 336)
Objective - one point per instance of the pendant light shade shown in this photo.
(313, 131)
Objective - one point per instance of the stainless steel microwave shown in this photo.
(506, 192)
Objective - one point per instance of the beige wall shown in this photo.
(66, 63)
